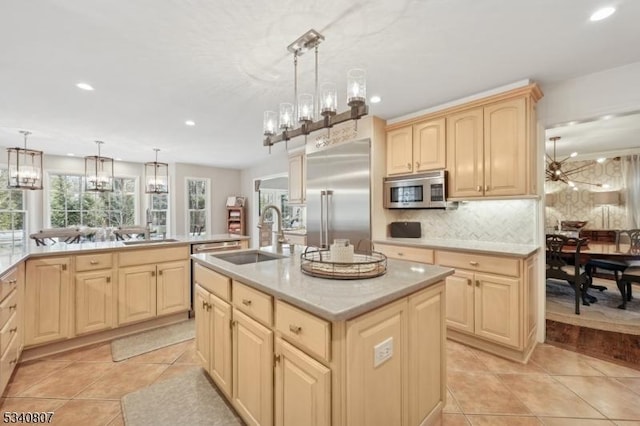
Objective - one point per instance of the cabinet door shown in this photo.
(427, 335)
(203, 326)
(429, 145)
(505, 148)
(465, 153)
(220, 358)
(252, 370)
(377, 367)
(400, 151)
(296, 179)
(497, 309)
(136, 293)
(302, 388)
(47, 293)
(94, 301)
(173, 287)
(460, 301)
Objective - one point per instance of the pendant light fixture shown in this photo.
(156, 176)
(25, 166)
(98, 172)
(318, 110)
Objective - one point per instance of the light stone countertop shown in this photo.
(11, 259)
(333, 300)
(481, 247)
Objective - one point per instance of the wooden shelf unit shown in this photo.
(236, 220)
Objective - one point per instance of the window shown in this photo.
(159, 209)
(197, 205)
(70, 205)
(12, 214)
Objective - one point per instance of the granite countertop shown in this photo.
(333, 300)
(482, 247)
(9, 260)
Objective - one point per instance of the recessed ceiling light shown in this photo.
(71, 154)
(190, 123)
(84, 86)
(601, 14)
(573, 154)
(575, 188)
(571, 184)
(601, 160)
(606, 186)
(375, 99)
(118, 159)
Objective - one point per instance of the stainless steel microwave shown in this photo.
(423, 191)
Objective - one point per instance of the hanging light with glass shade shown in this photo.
(156, 176)
(25, 166)
(98, 172)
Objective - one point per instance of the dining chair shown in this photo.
(559, 249)
(631, 273)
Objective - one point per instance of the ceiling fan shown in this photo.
(556, 173)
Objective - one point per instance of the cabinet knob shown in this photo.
(486, 188)
(276, 358)
(12, 307)
(400, 254)
(473, 263)
(295, 329)
(93, 262)
(246, 302)
(13, 330)
(153, 273)
(13, 361)
(469, 281)
(408, 166)
(204, 305)
(417, 164)
(13, 281)
(477, 283)
(479, 188)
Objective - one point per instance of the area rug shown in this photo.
(148, 341)
(188, 399)
(602, 315)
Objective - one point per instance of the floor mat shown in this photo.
(148, 341)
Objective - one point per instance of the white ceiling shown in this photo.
(156, 63)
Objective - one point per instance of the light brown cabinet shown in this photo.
(136, 293)
(417, 148)
(94, 307)
(297, 178)
(491, 302)
(11, 322)
(489, 151)
(47, 299)
(414, 254)
(172, 291)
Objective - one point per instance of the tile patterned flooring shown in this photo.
(556, 388)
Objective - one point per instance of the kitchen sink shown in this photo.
(142, 242)
(244, 257)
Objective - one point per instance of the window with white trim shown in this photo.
(159, 209)
(197, 205)
(13, 215)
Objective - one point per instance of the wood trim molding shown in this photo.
(532, 91)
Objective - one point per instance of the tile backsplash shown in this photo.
(507, 221)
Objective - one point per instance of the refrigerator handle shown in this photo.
(328, 223)
(322, 194)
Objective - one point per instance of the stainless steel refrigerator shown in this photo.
(338, 193)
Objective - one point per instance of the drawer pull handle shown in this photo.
(13, 281)
(400, 254)
(13, 330)
(246, 302)
(295, 329)
(473, 263)
(12, 307)
(94, 262)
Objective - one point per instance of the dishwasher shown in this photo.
(204, 248)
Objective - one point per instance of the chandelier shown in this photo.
(98, 172)
(555, 172)
(156, 176)
(318, 110)
(25, 166)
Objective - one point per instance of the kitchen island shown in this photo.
(288, 348)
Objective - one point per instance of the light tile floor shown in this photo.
(557, 387)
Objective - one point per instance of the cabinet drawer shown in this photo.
(8, 332)
(8, 283)
(90, 262)
(8, 307)
(304, 329)
(212, 281)
(253, 302)
(8, 361)
(479, 262)
(414, 254)
(156, 255)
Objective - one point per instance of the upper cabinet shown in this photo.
(297, 181)
(487, 146)
(416, 148)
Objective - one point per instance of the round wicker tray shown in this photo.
(365, 265)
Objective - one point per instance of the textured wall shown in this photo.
(578, 205)
(509, 221)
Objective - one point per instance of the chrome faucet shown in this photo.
(281, 239)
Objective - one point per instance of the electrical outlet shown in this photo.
(382, 352)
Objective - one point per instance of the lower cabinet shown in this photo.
(302, 388)
(47, 299)
(171, 290)
(11, 322)
(289, 367)
(94, 301)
